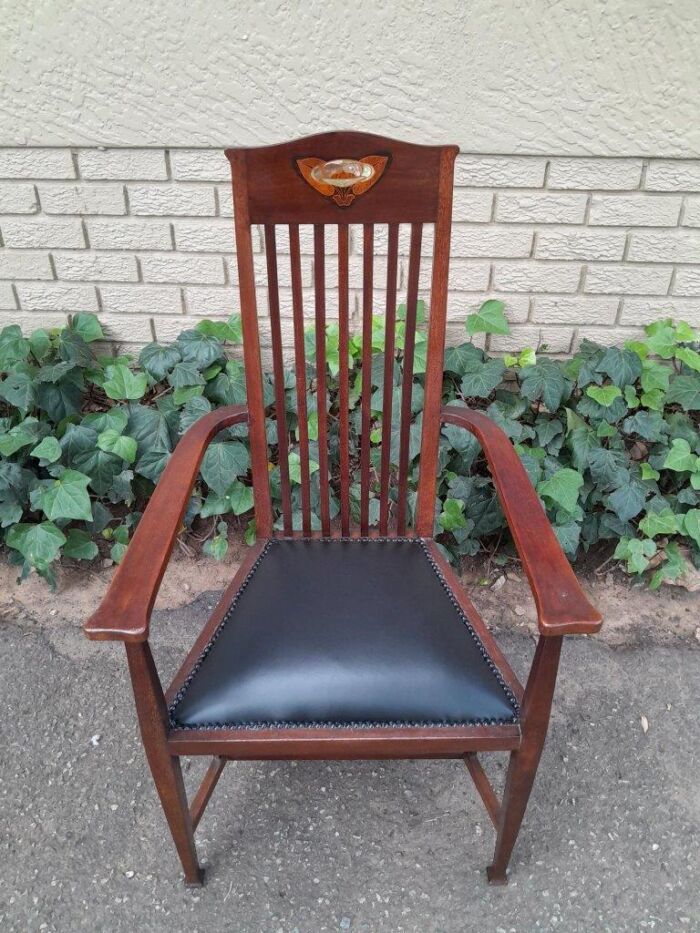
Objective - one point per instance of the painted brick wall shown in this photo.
(575, 247)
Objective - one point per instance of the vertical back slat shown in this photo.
(320, 298)
(388, 394)
(367, 295)
(430, 438)
(278, 373)
(300, 373)
(407, 382)
(344, 378)
(251, 348)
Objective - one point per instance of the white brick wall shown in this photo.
(575, 247)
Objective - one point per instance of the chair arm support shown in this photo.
(562, 606)
(125, 610)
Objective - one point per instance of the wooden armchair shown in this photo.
(351, 641)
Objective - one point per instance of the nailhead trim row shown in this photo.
(393, 724)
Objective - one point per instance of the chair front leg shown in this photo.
(522, 769)
(165, 768)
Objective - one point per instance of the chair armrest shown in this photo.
(125, 610)
(562, 606)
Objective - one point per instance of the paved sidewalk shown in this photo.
(611, 841)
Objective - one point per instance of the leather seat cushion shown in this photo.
(343, 632)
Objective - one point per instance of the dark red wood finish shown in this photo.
(269, 189)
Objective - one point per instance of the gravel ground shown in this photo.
(610, 841)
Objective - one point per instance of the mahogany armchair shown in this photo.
(355, 641)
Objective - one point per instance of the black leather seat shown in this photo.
(352, 632)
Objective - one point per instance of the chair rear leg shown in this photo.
(165, 768)
(522, 769)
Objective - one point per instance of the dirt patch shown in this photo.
(633, 613)
(82, 585)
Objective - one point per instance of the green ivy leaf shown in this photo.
(14, 348)
(659, 523)
(680, 457)
(691, 525)
(609, 467)
(115, 419)
(122, 383)
(185, 374)
(685, 391)
(222, 463)
(40, 344)
(646, 424)
(228, 388)
(636, 553)
(295, 467)
(120, 444)
(222, 330)
(463, 358)
(19, 390)
(563, 488)
(661, 338)
(99, 465)
(237, 499)
(159, 360)
(452, 515)
(72, 348)
(150, 428)
(631, 398)
(64, 398)
(48, 450)
(481, 382)
(251, 533)
(194, 409)
(54, 372)
(568, 536)
(22, 435)
(673, 567)
(87, 326)
(152, 463)
(685, 333)
(545, 381)
(604, 395)
(622, 366)
(690, 357)
(186, 394)
(489, 319)
(654, 399)
(655, 376)
(628, 500)
(79, 545)
(199, 348)
(117, 552)
(11, 508)
(38, 544)
(67, 497)
(649, 472)
(216, 547)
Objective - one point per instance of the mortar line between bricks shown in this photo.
(643, 174)
(464, 153)
(672, 281)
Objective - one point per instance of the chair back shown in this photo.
(332, 213)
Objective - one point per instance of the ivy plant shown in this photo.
(609, 439)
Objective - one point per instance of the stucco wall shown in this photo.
(578, 190)
(514, 76)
